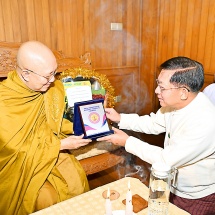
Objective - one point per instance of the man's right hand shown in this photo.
(112, 115)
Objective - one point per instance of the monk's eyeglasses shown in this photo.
(48, 78)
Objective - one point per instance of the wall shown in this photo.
(187, 28)
(153, 31)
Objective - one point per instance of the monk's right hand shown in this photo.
(74, 142)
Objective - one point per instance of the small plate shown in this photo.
(113, 194)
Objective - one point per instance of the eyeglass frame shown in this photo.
(172, 88)
(47, 78)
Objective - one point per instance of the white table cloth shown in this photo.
(92, 202)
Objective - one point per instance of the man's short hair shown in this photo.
(189, 73)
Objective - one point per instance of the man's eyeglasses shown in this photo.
(172, 88)
(48, 78)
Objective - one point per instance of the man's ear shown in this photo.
(25, 75)
(184, 94)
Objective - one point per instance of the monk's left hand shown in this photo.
(118, 138)
(74, 142)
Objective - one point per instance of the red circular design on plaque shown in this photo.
(94, 117)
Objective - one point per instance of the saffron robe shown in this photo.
(31, 126)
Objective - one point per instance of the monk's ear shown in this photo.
(25, 75)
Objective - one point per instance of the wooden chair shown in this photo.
(96, 156)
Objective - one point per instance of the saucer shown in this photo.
(113, 194)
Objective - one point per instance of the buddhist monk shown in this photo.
(36, 168)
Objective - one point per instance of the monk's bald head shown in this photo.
(36, 65)
(33, 52)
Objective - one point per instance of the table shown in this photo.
(92, 202)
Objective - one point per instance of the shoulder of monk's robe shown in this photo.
(57, 87)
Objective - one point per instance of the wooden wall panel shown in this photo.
(15, 25)
(2, 32)
(196, 32)
(46, 22)
(8, 27)
(189, 25)
(116, 48)
(149, 50)
(22, 21)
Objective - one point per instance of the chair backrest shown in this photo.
(8, 52)
(209, 91)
